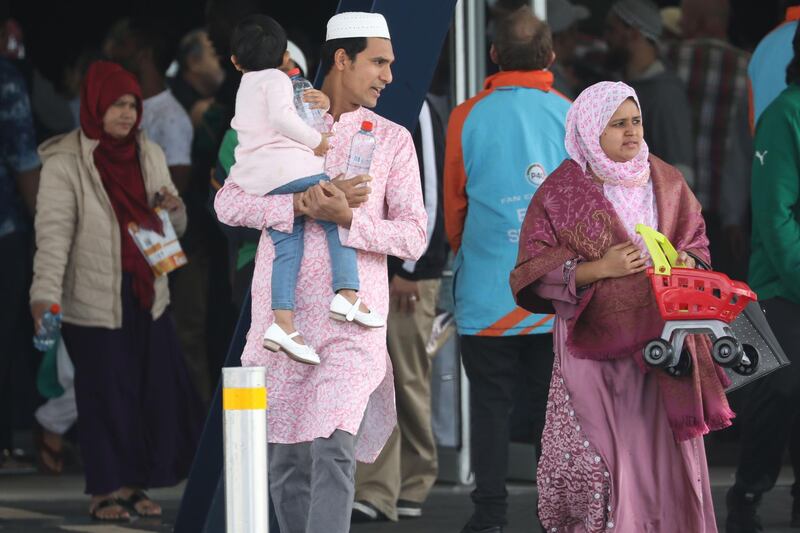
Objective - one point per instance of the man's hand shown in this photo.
(326, 202)
(403, 294)
(355, 189)
(323, 146)
(317, 99)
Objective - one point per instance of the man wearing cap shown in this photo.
(315, 412)
(632, 30)
(563, 17)
(501, 145)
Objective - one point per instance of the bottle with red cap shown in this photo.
(49, 329)
(313, 117)
(361, 148)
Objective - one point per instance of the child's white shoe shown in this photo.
(344, 311)
(276, 339)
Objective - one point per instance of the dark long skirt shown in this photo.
(138, 415)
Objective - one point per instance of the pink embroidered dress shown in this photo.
(615, 457)
(353, 386)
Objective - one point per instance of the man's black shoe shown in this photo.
(366, 512)
(469, 528)
(795, 513)
(742, 512)
(408, 509)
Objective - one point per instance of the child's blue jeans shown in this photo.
(289, 252)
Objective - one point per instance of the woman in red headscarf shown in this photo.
(138, 413)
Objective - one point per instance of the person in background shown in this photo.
(145, 48)
(632, 31)
(138, 411)
(563, 17)
(19, 182)
(767, 69)
(715, 75)
(769, 423)
(397, 484)
(491, 173)
(199, 74)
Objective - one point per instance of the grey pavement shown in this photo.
(37, 503)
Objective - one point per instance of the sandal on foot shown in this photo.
(48, 459)
(137, 497)
(109, 502)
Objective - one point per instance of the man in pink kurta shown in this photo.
(315, 412)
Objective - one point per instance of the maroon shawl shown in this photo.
(569, 217)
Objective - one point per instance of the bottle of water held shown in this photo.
(49, 329)
(361, 148)
(312, 117)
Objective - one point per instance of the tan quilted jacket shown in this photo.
(78, 262)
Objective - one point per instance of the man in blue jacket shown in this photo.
(501, 145)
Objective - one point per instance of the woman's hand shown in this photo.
(317, 99)
(619, 261)
(355, 189)
(38, 309)
(325, 201)
(167, 200)
(686, 261)
(623, 260)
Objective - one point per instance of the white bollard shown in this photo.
(244, 419)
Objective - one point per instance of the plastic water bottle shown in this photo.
(49, 329)
(361, 148)
(312, 117)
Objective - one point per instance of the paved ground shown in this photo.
(34, 503)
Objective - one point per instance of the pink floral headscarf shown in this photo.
(586, 120)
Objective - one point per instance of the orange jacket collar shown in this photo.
(534, 79)
(793, 13)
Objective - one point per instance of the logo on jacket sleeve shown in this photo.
(535, 174)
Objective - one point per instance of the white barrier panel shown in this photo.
(244, 420)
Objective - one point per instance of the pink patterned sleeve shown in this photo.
(403, 232)
(235, 207)
(558, 286)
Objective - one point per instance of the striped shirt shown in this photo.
(715, 74)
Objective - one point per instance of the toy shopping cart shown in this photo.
(694, 301)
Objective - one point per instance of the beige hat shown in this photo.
(357, 24)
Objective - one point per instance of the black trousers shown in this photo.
(769, 420)
(497, 367)
(17, 370)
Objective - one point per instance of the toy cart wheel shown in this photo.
(727, 352)
(747, 368)
(658, 353)
(684, 366)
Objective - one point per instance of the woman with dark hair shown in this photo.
(769, 421)
(622, 448)
(138, 425)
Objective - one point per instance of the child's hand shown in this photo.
(323, 147)
(317, 99)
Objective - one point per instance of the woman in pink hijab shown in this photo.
(622, 448)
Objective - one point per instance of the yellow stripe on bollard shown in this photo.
(244, 399)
